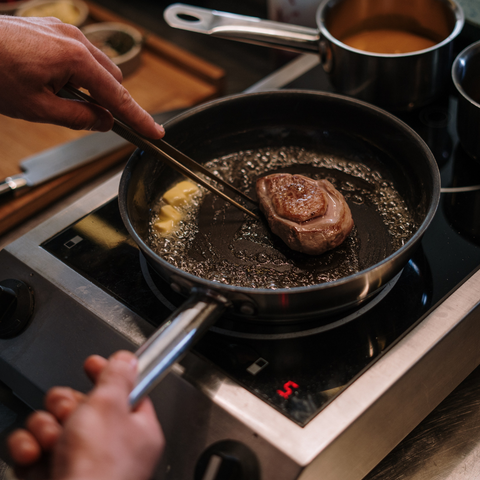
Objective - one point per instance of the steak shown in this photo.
(310, 216)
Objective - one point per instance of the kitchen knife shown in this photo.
(55, 161)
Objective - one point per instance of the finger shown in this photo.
(23, 447)
(45, 428)
(79, 115)
(116, 98)
(93, 366)
(105, 62)
(61, 402)
(118, 376)
(73, 114)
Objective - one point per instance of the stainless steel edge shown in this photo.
(63, 158)
(366, 421)
(399, 390)
(27, 249)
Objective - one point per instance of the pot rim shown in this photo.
(459, 66)
(459, 23)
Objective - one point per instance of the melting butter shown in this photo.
(170, 214)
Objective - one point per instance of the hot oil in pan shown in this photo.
(217, 242)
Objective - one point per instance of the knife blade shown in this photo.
(58, 160)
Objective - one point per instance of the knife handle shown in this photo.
(11, 185)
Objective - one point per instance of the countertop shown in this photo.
(446, 445)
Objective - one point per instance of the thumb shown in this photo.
(119, 374)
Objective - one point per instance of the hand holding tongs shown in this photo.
(173, 157)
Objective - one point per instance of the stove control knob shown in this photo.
(227, 460)
(16, 307)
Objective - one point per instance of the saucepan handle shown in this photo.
(173, 340)
(243, 28)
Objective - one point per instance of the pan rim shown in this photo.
(364, 273)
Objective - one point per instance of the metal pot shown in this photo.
(315, 121)
(465, 75)
(395, 81)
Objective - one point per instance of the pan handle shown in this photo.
(242, 28)
(174, 338)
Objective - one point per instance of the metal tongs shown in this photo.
(173, 157)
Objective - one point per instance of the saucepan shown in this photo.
(396, 54)
(384, 169)
(465, 75)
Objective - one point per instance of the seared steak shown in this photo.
(310, 216)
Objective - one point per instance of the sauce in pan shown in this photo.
(217, 242)
(388, 41)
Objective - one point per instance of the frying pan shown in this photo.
(395, 81)
(330, 125)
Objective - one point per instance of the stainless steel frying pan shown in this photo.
(313, 121)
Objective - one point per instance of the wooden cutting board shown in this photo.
(167, 78)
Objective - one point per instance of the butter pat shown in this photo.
(164, 226)
(168, 212)
(180, 193)
(169, 216)
(168, 219)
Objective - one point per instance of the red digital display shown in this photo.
(287, 389)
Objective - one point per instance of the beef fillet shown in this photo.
(310, 216)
